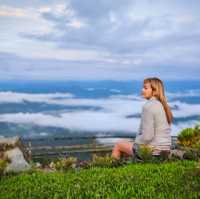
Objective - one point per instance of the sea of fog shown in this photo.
(43, 109)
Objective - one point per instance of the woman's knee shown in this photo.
(119, 144)
(124, 146)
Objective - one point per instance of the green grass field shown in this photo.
(176, 180)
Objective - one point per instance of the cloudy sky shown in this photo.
(99, 39)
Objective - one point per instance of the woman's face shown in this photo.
(147, 91)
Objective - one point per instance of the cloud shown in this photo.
(119, 105)
(189, 93)
(61, 13)
(176, 129)
(14, 97)
(133, 32)
(13, 12)
(22, 19)
(132, 39)
(85, 120)
(185, 110)
(113, 115)
(14, 67)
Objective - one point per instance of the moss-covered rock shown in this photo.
(13, 149)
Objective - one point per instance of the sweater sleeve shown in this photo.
(147, 128)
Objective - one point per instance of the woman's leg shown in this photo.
(122, 147)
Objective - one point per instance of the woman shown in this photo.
(155, 123)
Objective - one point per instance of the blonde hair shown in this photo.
(158, 92)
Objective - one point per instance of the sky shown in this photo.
(98, 40)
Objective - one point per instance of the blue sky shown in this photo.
(104, 39)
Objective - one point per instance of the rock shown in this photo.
(16, 153)
(17, 161)
(177, 153)
(12, 141)
(52, 165)
(38, 165)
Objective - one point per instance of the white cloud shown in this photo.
(121, 105)
(22, 20)
(87, 121)
(14, 97)
(58, 9)
(189, 93)
(33, 23)
(185, 110)
(134, 36)
(81, 120)
(112, 116)
(118, 105)
(186, 19)
(6, 11)
(176, 129)
(48, 50)
(76, 23)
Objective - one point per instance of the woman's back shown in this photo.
(154, 129)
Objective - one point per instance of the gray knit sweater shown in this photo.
(154, 129)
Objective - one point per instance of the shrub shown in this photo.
(104, 161)
(190, 137)
(65, 164)
(191, 154)
(84, 164)
(185, 137)
(145, 153)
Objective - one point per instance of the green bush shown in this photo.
(104, 161)
(145, 153)
(190, 137)
(65, 164)
(191, 153)
(185, 137)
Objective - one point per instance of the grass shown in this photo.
(178, 179)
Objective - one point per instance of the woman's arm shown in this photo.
(147, 127)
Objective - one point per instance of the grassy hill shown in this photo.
(180, 179)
